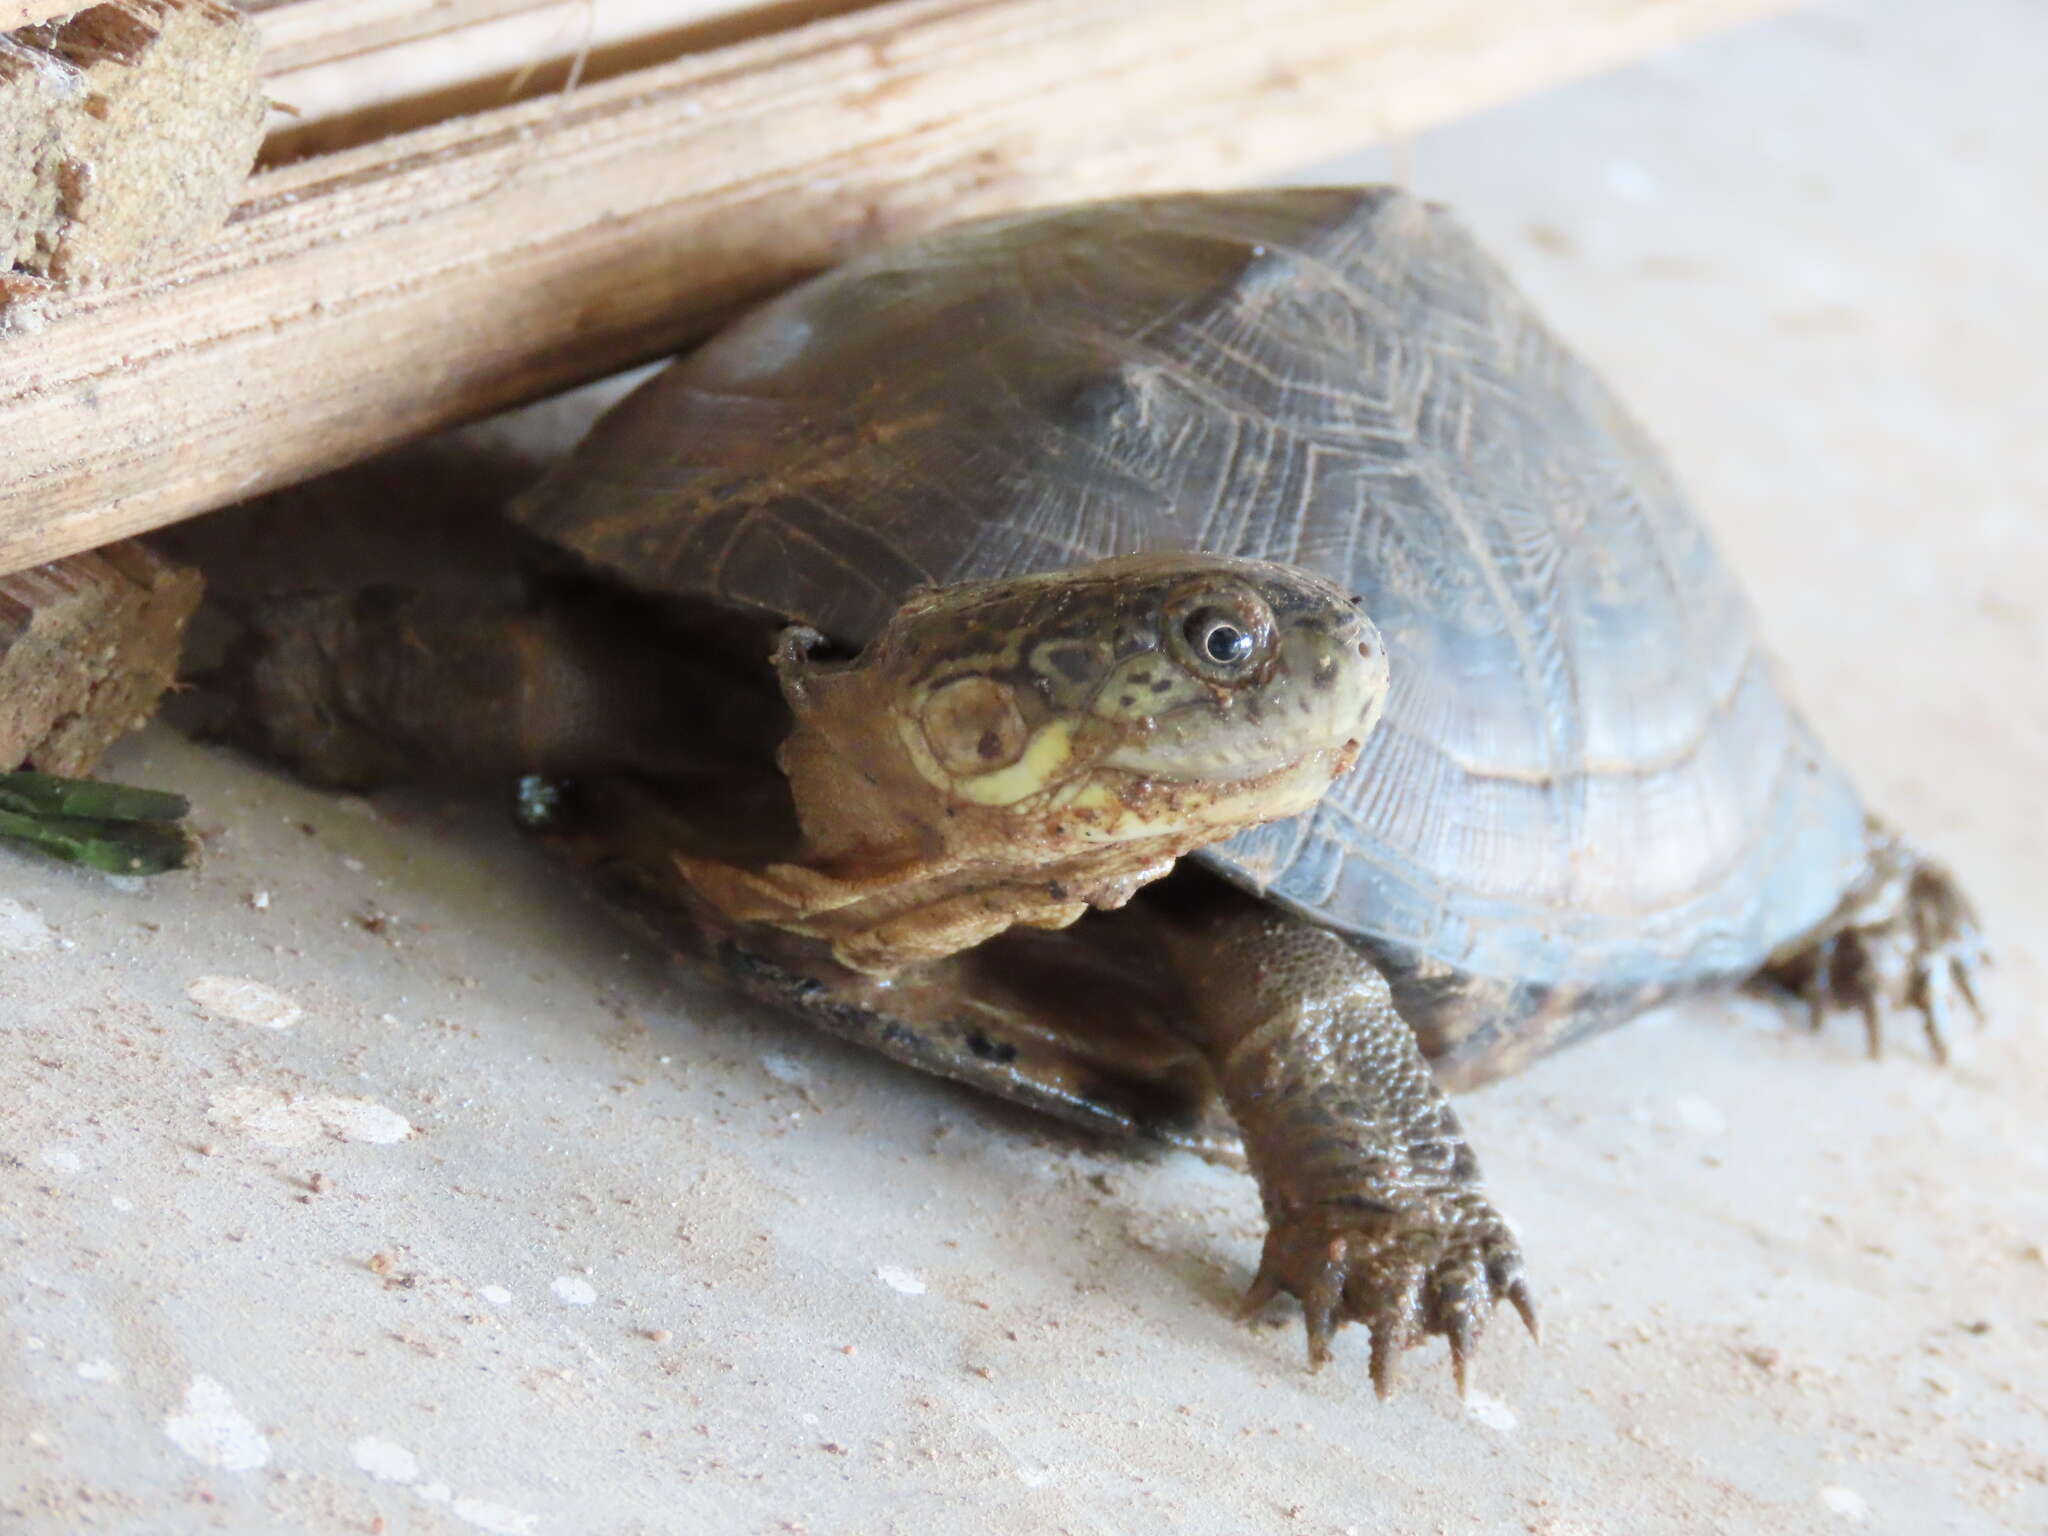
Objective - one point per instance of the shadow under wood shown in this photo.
(538, 78)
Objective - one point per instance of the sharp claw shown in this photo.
(1873, 1024)
(1319, 1303)
(1384, 1353)
(1265, 1286)
(1933, 1001)
(1463, 1333)
(1525, 1304)
(1959, 970)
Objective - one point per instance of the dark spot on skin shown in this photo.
(1056, 890)
(1139, 679)
(1165, 684)
(1073, 662)
(1000, 1052)
(1254, 711)
(1326, 671)
(990, 745)
(1126, 702)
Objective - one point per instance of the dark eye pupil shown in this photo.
(1219, 639)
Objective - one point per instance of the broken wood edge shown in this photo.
(88, 644)
(126, 132)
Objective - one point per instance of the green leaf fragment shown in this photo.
(108, 827)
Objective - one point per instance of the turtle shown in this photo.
(1211, 665)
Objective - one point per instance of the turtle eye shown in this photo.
(1223, 637)
(1218, 637)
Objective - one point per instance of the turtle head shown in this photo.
(1175, 697)
(1019, 751)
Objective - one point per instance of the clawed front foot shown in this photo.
(1905, 937)
(1437, 1268)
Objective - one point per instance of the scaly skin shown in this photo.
(1373, 1198)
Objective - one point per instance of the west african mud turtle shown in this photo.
(1585, 791)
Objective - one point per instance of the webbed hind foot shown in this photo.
(1905, 936)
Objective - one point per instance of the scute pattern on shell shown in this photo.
(1586, 774)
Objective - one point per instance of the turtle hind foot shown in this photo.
(1906, 936)
(1439, 1268)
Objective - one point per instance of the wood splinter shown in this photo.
(126, 131)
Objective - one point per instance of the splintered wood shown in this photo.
(87, 647)
(126, 131)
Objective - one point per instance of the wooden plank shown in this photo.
(349, 72)
(373, 295)
(299, 33)
(302, 34)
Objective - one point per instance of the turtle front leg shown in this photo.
(1374, 1202)
(1905, 936)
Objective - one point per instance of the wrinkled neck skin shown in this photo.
(1019, 752)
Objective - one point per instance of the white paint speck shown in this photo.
(435, 1493)
(386, 1462)
(242, 1001)
(786, 1069)
(899, 1279)
(574, 1290)
(97, 1370)
(353, 866)
(34, 1345)
(22, 929)
(213, 1432)
(1846, 1502)
(496, 1295)
(1700, 1116)
(63, 1159)
(128, 885)
(501, 1519)
(1485, 1408)
(122, 1203)
(260, 900)
(294, 1120)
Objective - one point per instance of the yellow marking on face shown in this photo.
(1153, 684)
(1043, 757)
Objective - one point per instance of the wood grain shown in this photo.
(87, 647)
(369, 296)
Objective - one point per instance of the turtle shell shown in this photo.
(1586, 778)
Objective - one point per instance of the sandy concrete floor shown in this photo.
(365, 1180)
